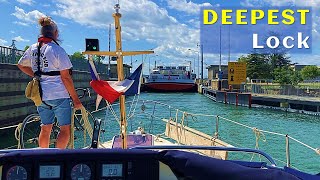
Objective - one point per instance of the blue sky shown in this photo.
(170, 27)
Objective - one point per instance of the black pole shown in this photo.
(109, 51)
(219, 78)
(201, 47)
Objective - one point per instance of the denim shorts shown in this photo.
(61, 109)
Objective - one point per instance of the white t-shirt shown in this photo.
(53, 58)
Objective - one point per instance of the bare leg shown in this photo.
(44, 136)
(63, 137)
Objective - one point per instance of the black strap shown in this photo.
(38, 73)
(55, 42)
(51, 73)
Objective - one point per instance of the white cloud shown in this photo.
(308, 59)
(21, 23)
(27, 17)
(314, 3)
(12, 32)
(184, 6)
(141, 20)
(46, 5)
(3, 42)
(28, 2)
(316, 28)
(20, 39)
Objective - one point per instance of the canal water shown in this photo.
(148, 115)
(302, 127)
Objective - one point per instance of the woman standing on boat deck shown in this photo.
(55, 80)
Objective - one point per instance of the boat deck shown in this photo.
(158, 141)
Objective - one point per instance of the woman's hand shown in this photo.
(68, 83)
(77, 104)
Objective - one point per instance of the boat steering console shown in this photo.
(80, 164)
(129, 164)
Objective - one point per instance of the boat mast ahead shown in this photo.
(119, 54)
(123, 121)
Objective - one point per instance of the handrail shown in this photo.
(218, 121)
(215, 148)
(256, 130)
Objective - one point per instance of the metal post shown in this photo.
(13, 52)
(194, 64)
(220, 53)
(149, 66)
(216, 134)
(229, 45)
(108, 73)
(1, 55)
(287, 151)
(201, 47)
(219, 79)
(198, 64)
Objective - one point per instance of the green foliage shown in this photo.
(25, 48)
(286, 75)
(98, 58)
(77, 55)
(263, 66)
(17, 59)
(310, 72)
(257, 66)
(278, 60)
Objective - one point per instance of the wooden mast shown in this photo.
(123, 121)
(119, 54)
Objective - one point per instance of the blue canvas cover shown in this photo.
(302, 175)
(197, 167)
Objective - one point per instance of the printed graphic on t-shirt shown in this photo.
(44, 63)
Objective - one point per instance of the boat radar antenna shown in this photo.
(118, 53)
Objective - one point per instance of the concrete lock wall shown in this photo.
(14, 106)
(244, 99)
(221, 96)
(232, 98)
(215, 84)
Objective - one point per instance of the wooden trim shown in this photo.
(189, 136)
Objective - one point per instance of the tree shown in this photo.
(25, 48)
(257, 66)
(98, 59)
(310, 72)
(278, 60)
(286, 76)
(77, 55)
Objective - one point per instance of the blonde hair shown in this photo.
(48, 27)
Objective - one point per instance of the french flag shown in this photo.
(112, 90)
